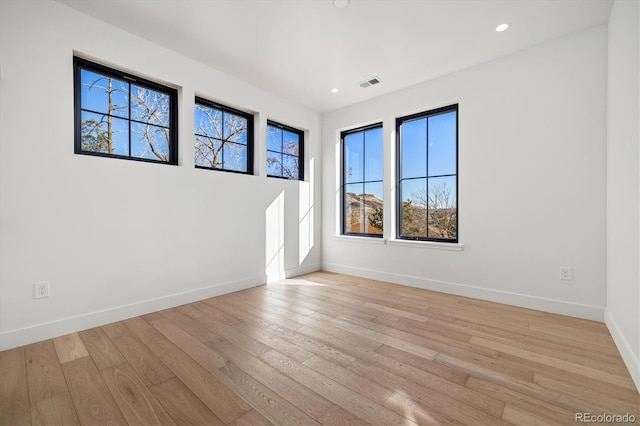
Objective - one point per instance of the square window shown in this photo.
(285, 151)
(123, 116)
(224, 138)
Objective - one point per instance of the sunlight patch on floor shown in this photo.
(296, 282)
(402, 404)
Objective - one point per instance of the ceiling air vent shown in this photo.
(370, 82)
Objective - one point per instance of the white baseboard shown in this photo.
(594, 313)
(629, 357)
(35, 333)
(301, 270)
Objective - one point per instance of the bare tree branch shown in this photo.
(434, 213)
(211, 131)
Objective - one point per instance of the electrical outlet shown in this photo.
(41, 290)
(566, 273)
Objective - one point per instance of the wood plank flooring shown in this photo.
(323, 348)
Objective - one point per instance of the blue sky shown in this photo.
(282, 141)
(431, 138)
(428, 149)
(95, 98)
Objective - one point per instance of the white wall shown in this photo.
(532, 157)
(119, 238)
(623, 183)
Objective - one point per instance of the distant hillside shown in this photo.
(370, 201)
(442, 221)
(353, 204)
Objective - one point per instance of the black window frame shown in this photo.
(399, 179)
(80, 64)
(250, 134)
(343, 183)
(300, 155)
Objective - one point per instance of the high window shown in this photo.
(123, 116)
(224, 138)
(362, 181)
(428, 175)
(285, 151)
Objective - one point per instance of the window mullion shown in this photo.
(426, 137)
(281, 152)
(223, 142)
(343, 185)
(399, 152)
(129, 115)
(364, 173)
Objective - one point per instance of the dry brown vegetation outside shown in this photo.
(364, 215)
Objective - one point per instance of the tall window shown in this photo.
(362, 171)
(224, 138)
(285, 151)
(123, 116)
(428, 175)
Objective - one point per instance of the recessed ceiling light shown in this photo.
(335, 90)
(502, 27)
(341, 4)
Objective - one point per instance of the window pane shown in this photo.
(354, 208)
(274, 164)
(234, 129)
(208, 152)
(274, 139)
(95, 94)
(290, 168)
(235, 157)
(353, 157)
(290, 143)
(373, 207)
(208, 121)
(442, 144)
(373, 167)
(97, 135)
(442, 203)
(414, 207)
(149, 106)
(149, 141)
(414, 148)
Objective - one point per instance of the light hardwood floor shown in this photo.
(322, 349)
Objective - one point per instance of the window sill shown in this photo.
(355, 239)
(394, 242)
(426, 244)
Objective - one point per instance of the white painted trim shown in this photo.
(395, 242)
(35, 333)
(594, 313)
(426, 244)
(301, 270)
(361, 240)
(630, 359)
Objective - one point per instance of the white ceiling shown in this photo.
(301, 49)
